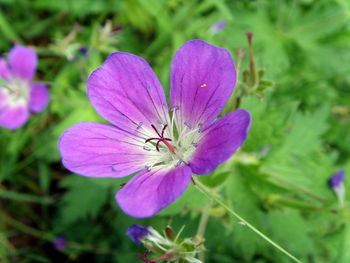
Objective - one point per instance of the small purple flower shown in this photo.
(218, 27)
(166, 148)
(18, 94)
(60, 243)
(336, 182)
(137, 233)
(83, 50)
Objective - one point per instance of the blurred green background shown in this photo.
(278, 180)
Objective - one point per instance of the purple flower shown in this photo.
(83, 50)
(336, 180)
(164, 147)
(218, 27)
(137, 233)
(59, 243)
(18, 94)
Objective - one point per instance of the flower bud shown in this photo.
(218, 27)
(171, 247)
(336, 182)
(60, 243)
(137, 233)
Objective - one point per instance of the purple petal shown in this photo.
(39, 97)
(22, 62)
(126, 92)
(150, 191)
(4, 71)
(202, 80)
(13, 117)
(137, 233)
(220, 141)
(101, 150)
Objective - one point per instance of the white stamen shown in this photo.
(174, 152)
(16, 92)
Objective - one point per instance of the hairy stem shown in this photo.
(203, 225)
(215, 198)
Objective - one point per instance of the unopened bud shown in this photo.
(336, 182)
(170, 233)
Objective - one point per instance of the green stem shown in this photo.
(27, 229)
(21, 197)
(203, 225)
(293, 186)
(50, 237)
(209, 194)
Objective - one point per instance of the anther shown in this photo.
(174, 108)
(146, 148)
(200, 126)
(178, 163)
(139, 126)
(187, 125)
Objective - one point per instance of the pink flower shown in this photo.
(164, 147)
(18, 94)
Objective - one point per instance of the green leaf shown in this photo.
(84, 198)
(290, 230)
(23, 197)
(246, 204)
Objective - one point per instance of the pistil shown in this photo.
(162, 139)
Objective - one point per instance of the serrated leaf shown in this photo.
(246, 204)
(84, 198)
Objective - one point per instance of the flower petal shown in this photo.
(13, 117)
(39, 97)
(4, 71)
(202, 80)
(150, 191)
(23, 62)
(126, 92)
(101, 150)
(220, 141)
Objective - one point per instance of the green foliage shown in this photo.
(277, 181)
(73, 206)
(245, 202)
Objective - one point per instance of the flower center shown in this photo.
(174, 143)
(16, 92)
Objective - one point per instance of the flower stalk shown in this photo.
(203, 225)
(242, 221)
